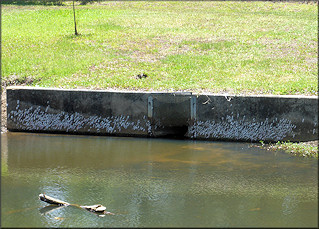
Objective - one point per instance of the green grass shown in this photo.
(297, 149)
(235, 47)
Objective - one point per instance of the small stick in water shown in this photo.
(97, 208)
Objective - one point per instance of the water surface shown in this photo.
(154, 183)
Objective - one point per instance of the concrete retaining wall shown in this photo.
(153, 114)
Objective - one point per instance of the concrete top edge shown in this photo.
(263, 96)
(161, 92)
(96, 90)
(75, 89)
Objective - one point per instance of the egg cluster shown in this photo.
(241, 129)
(39, 119)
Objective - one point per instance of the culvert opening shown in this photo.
(176, 132)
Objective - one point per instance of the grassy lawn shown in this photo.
(234, 47)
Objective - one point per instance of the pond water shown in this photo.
(153, 183)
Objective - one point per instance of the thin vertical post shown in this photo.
(76, 32)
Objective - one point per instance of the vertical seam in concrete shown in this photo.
(193, 108)
(150, 107)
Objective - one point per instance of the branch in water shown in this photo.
(51, 200)
(97, 208)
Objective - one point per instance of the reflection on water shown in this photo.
(153, 182)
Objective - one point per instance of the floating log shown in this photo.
(97, 208)
(51, 200)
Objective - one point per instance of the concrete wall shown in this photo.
(254, 118)
(156, 114)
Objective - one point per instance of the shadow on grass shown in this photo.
(42, 2)
(33, 2)
(78, 36)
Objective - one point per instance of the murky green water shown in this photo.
(154, 183)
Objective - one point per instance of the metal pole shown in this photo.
(76, 32)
